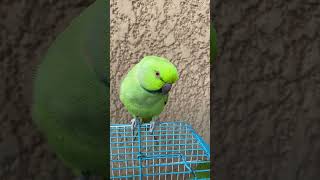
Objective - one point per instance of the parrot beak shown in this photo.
(166, 88)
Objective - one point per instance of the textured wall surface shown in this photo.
(26, 31)
(177, 30)
(266, 96)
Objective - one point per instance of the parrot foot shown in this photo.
(134, 123)
(153, 124)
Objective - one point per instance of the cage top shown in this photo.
(173, 124)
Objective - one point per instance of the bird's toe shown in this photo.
(133, 123)
(152, 125)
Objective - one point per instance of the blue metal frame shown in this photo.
(171, 152)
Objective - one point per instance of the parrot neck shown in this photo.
(159, 91)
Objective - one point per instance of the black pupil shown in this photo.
(157, 73)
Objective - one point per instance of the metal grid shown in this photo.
(171, 152)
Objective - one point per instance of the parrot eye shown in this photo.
(157, 74)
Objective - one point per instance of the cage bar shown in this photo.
(172, 151)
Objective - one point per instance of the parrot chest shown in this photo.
(141, 103)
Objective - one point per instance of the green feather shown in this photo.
(70, 92)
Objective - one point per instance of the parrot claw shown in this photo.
(134, 123)
(153, 124)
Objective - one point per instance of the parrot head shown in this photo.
(156, 74)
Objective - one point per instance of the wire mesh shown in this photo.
(171, 152)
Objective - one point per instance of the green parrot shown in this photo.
(144, 90)
(71, 93)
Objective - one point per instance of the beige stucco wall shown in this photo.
(177, 30)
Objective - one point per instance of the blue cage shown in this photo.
(172, 151)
